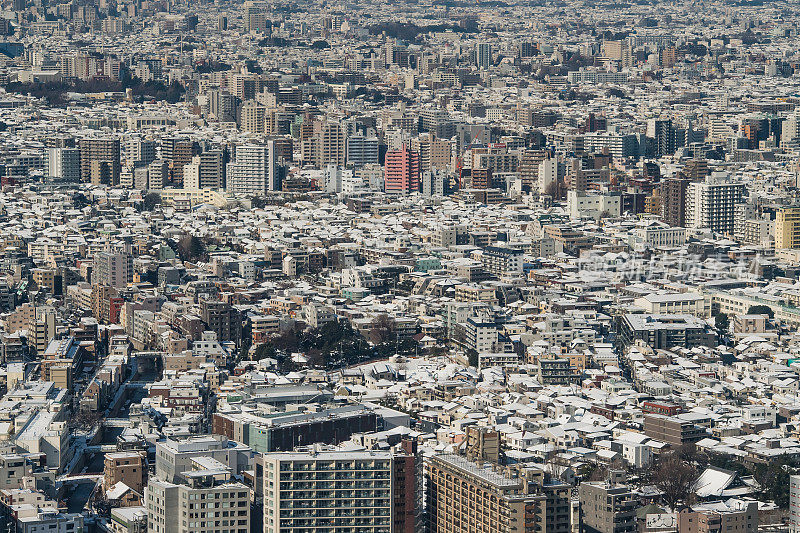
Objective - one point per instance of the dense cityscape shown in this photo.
(419, 267)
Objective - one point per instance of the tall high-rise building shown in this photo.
(673, 200)
(787, 227)
(663, 132)
(481, 178)
(332, 144)
(99, 151)
(157, 175)
(139, 152)
(401, 173)
(64, 165)
(43, 328)
(436, 121)
(178, 152)
(112, 269)
(528, 168)
(549, 173)
(253, 117)
(794, 504)
(254, 170)
(221, 318)
(483, 55)
(221, 105)
(434, 182)
(206, 171)
(191, 174)
(464, 497)
(790, 131)
(696, 169)
(433, 152)
(711, 204)
(352, 491)
(361, 150)
(257, 20)
(212, 169)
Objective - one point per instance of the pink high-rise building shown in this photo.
(401, 175)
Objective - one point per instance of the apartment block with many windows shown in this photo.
(327, 491)
(208, 500)
(466, 497)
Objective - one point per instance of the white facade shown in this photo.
(794, 504)
(201, 506)
(191, 174)
(582, 205)
(617, 144)
(254, 171)
(658, 236)
(712, 204)
(636, 455)
(678, 303)
(114, 270)
(64, 164)
(548, 174)
(333, 178)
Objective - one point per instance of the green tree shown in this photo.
(79, 201)
(774, 480)
(150, 201)
(191, 248)
(472, 357)
(265, 351)
(722, 322)
(761, 310)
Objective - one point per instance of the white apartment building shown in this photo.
(334, 177)
(191, 174)
(35, 519)
(501, 261)
(658, 236)
(207, 502)
(794, 504)
(64, 164)
(480, 336)
(582, 205)
(547, 174)
(617, 144)
(254, 171)
(712, 204)
(174, 457)
(596, 76)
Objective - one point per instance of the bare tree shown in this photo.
(674, 477)
(85, 419)
(382, 330)
(553, 190)
(600, 473)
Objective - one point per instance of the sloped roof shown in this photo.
(713, 482)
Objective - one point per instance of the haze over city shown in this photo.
(399, 267)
